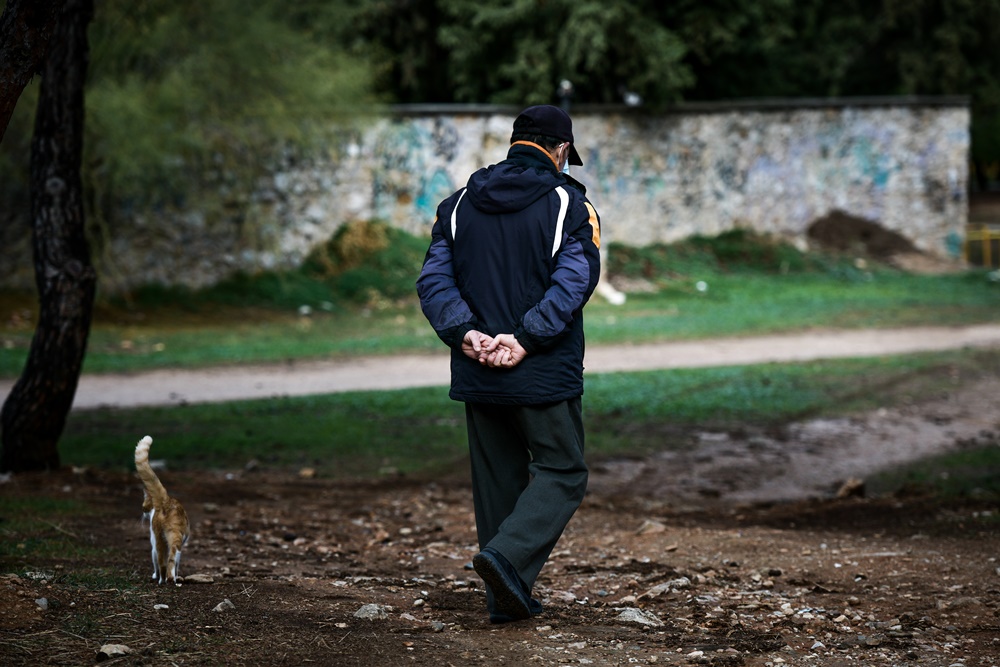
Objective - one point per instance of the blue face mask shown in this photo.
(565, 168)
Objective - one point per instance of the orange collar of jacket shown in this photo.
(534, 145)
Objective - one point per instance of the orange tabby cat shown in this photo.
(168, 523)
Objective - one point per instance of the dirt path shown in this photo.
(175, 387)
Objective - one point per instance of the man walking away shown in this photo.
(513, 259)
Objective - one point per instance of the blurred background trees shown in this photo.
(189, 99)
(188, 102)
(465, 51)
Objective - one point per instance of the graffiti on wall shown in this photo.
(662, 179)
(410, 171)
(778, 172)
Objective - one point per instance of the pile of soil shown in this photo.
(842, 233)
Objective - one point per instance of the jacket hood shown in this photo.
(512, 185)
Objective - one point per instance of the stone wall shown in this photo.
(778, 170)
(772, 166)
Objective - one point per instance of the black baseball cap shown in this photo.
(549, 121)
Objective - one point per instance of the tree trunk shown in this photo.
(35, 413)
(25, 30)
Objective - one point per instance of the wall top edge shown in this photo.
(754, 104)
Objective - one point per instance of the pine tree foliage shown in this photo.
(186, 86)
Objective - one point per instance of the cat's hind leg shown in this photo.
(156, 556)
(175, 564)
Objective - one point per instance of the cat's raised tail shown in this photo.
(154, 488)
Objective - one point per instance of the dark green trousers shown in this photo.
(528, 477)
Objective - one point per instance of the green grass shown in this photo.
(30, 528)
(733, 305)
(102, 578)
(359, 292)
(225, 335)
(422, 432)
(351, 434)
(255, 337)
(760, 304)
(22, 514)
(972, 472)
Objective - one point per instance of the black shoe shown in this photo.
(510, 595)
(534, 605)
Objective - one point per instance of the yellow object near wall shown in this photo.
(982, 245)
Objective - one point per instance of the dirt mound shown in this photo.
(842, 232)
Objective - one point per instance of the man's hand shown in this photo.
(477, 345)
(505, 352)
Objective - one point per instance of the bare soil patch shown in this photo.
(842, 233)
(735, 551)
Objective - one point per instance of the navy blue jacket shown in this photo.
(515, 251)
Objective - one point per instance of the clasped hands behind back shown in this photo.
(500, 351)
